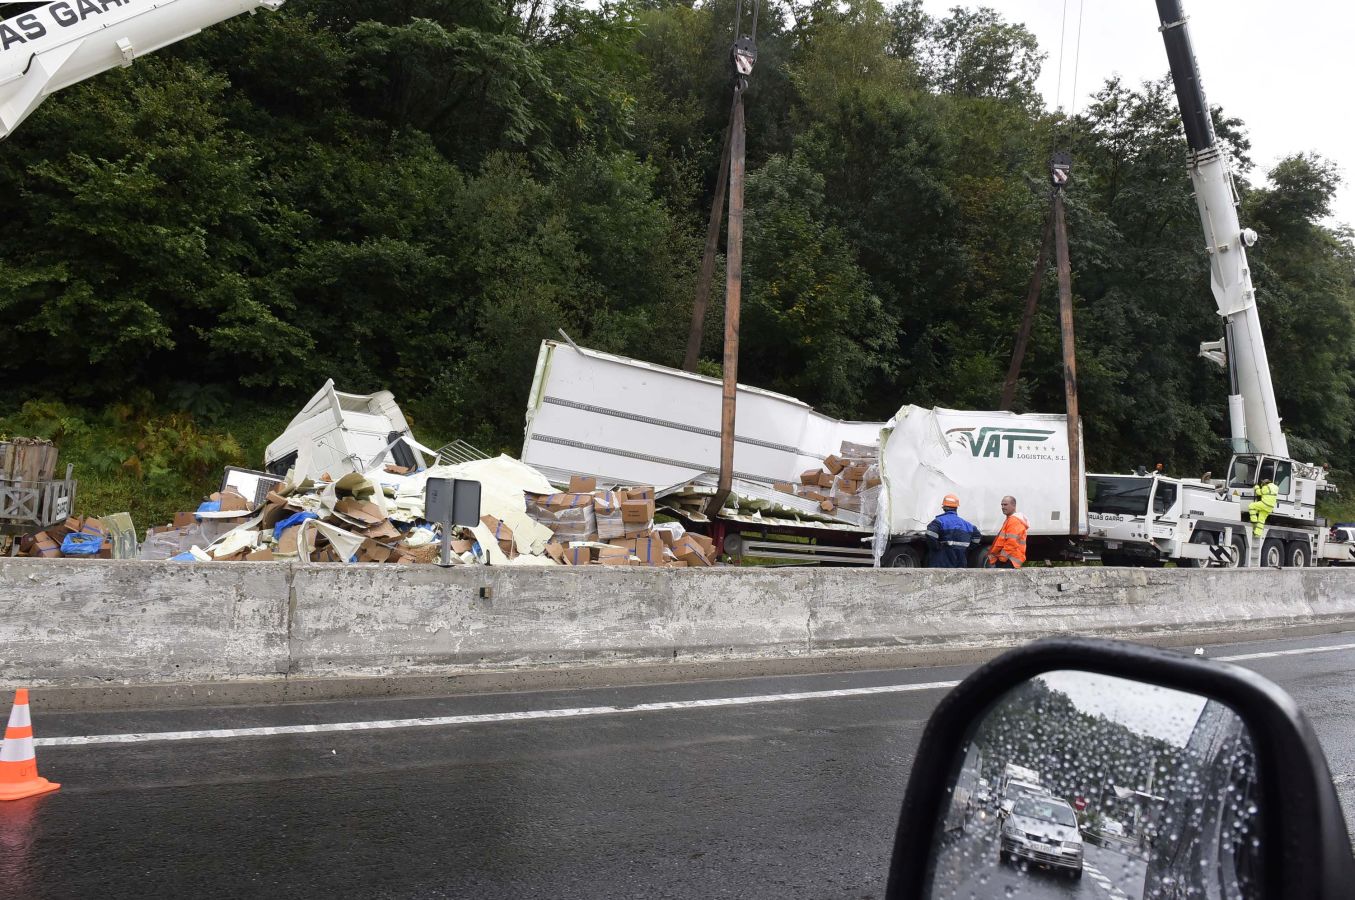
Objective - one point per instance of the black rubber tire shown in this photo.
(1239, 549)
(1113, 559)
(1297, 555)
(1199, 537)
(1272, 553)
(901, 556)
(1077, 874)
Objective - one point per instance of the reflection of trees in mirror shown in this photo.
(1161, 819)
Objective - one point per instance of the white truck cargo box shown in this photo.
(980, 457)
(338, 433)
(624, 421)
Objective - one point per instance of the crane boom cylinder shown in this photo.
(1186, 76)
(55, 45)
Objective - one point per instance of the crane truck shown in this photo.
(45, 47)
(1148, 518)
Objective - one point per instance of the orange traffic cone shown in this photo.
(19, 776)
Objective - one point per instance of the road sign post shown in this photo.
(448, 502)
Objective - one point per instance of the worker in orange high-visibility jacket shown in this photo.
(1009, 550)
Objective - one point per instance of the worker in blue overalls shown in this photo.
(950, 538)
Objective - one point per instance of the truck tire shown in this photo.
(901, 556)
(1272, 553)
(1199, 537)
(1240, 560)
(1297, 555)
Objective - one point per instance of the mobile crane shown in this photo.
(45, 47)
(1150, 518)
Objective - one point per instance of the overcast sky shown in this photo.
(1146, 708)
(1285, 69)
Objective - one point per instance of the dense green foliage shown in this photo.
(412, 194)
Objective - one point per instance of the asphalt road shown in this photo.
(558, 794)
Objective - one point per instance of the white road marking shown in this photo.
(1300, 652)
(434, 721)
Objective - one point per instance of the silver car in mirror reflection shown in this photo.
(1043, 831)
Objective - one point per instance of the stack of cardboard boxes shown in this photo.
(47, 544)
(848, 480)
(613, 528)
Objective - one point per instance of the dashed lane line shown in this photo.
(526, 715)
(1302, 651)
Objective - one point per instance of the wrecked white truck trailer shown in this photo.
(624, 421)
(337, 433)
(980, 457)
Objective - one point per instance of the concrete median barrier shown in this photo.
(72, 625)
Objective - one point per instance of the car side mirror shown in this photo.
(1155, 774)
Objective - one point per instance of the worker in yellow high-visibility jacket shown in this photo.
(1267, 497)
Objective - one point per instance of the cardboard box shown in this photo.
(614, 550)
(847, 486)
(834, 464)
(184, 519)
(579, 556)
(638, 492)
(825, 480)
(810, 476)
(231, 500)
(372, 551)
(45, 546)
(607, 512)
(637, 512)
(288, 541)
(855, 472)
(582, 484)
(398, 470)
(558, 552)
(857, 451)
(502, 533)
(615, 561)
(383, 532)
(687, 549)
(361, 512)
(460, 547)
(263, 555)
(784, 487)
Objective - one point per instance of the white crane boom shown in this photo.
(1254, 417)
(54, 45)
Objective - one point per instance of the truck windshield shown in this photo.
(1118, 496)
(1245, 470)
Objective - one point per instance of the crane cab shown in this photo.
(1297, 484)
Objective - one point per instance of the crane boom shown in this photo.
(54, 45)
(1253, 414)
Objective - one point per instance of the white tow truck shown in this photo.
(1149, 518)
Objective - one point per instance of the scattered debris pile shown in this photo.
(79, 538)
(849, 480)
(613, 528)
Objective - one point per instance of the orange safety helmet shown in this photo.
(950, 501)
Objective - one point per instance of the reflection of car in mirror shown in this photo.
(1043, 830)
(1159, 776)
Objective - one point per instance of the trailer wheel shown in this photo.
(901, 556)
(1272, 553)
(1297, 555)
